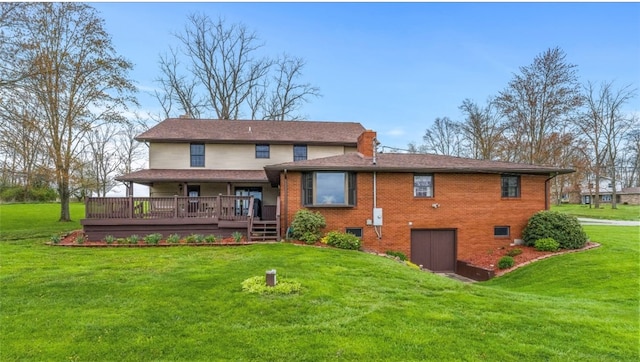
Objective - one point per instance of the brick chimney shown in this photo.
(366, 143)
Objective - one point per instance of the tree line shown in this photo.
(545, 116)
(68, 105)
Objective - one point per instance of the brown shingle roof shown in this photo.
(163, 175)
(237, 131)
(403, 162)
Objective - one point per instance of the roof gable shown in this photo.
(238, 131)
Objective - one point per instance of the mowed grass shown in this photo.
(623, 212)
(20, 221)
(186, 303)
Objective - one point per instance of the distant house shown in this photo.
(207, 176)
(587, 195)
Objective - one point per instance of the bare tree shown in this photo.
(616, 125)
(129, 151)
(602, 125)
(225, 76)
(483, 129)
(537, 101)
(79, 81)
(177, 89)
(630, 164)
(103, 157)
(444, 138)
(288, 95)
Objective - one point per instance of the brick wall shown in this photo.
(469, 203)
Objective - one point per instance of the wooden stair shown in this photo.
(264, 230)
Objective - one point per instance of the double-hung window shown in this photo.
(510, 186)
(329, 188)
(197, 154)
(262, 151)
(423, 185)
(299, 152)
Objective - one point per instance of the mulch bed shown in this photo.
(529, 255)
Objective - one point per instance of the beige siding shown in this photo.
(169, 155)
(324, 151)
(164, 189)
(243, 157)
(232, 156)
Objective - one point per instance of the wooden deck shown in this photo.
(207, 215)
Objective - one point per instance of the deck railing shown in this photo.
(231, 208)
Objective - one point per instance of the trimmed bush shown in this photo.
(505, 262)
(343, 240)
(306, 226)
(173, 238)
(546, 244)
(563, 228)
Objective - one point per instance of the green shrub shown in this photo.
(505, 262)
(80, 239)
(153, 239)
(546, 244)
(514, 252)
(563, 228)
(309, 238)
(133, 239)
(396, 254)
(173, 238)
(210, 239)
(194, 238)
(55, 239)
(343, 240)
(307, 225)
(42, 194)
(237, 236)
(109, 239)
(22, 194)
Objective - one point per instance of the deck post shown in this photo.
(175, 206)
(130, 209)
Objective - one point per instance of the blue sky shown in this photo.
(395, 67)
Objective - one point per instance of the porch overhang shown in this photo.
(149, 176)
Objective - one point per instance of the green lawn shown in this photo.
(623, 212)
(186, 303)
(20, 221)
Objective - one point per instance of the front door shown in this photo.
(242, 206)
(193, 191)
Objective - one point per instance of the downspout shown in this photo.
(375, 187)
(547, 190)
(286, 205)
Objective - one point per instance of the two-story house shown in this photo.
(436, 209)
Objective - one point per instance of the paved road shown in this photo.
(587, 221)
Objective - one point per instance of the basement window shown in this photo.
(355, 231)
(501, 231)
